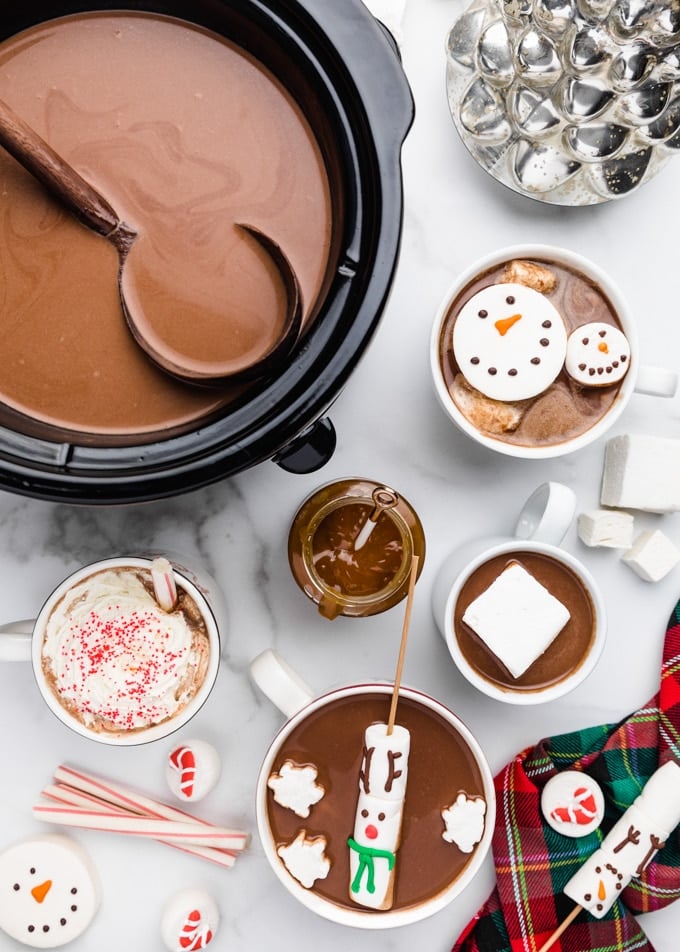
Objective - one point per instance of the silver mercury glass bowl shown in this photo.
(571, 102)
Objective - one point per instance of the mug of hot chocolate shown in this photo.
(523, 620)
(534, 352)
(125, 650)
(368, 825)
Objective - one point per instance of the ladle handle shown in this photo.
(40, 159)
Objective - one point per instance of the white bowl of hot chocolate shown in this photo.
(116, 665)
(534, 352)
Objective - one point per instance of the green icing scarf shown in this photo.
(367, 856)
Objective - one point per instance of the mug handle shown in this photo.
(16, 639)
(280, 683)
(656, 382)
(547, 514)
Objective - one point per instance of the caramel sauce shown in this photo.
(346, 570)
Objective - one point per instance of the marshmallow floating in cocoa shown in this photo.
(598, 354)
(517, 618)
(379, 812)
(509, 341)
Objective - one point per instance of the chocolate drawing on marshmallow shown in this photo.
(378, 818)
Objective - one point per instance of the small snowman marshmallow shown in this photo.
(192, 769)
(49, 889)
(598, 355)
(509, 341)
(189, 922)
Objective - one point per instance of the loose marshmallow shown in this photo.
(305, 858)
(606, 527)
(50, 891)
(641, 472)
(652, 555)
(189, 921)
(631, 844)
(572, 803)
(464, 822)
(192, 769)
(517, 618)
(295, 787)
(509, 342)
(598, 354)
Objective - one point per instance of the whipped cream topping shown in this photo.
(115, 659)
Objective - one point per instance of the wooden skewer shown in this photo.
(560, 929)
(402, 646)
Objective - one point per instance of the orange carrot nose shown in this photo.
(504, 325)
(39, 892)
(603, 347)
(601, 891)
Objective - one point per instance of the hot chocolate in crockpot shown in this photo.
(532, 353)
(568, 641)
(316, 772)
(185, 134)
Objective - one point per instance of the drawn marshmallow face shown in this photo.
(597, 884)
(377, 822)
(509, 341)
(598, 354)
(48, 892)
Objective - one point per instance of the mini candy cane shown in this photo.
(164, 585)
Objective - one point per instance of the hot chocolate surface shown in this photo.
(440, 766)
(185, 135)
(563, 410)
(568, 650)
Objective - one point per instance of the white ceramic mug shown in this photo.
(23, 641)
(654, 381)
(299, 702)
(540, 528)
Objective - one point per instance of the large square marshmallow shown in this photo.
(641, 472)
(517, 618)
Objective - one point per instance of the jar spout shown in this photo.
(329, 607)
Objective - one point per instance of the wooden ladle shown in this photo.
(94, 211)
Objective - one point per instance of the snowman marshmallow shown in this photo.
(378, 818)
(598, 354)
(49, 889)
(509, 341)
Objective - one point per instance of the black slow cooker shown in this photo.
(337, 54)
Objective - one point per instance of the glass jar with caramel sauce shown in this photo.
(351, 545)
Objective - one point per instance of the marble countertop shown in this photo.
(390, 428)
